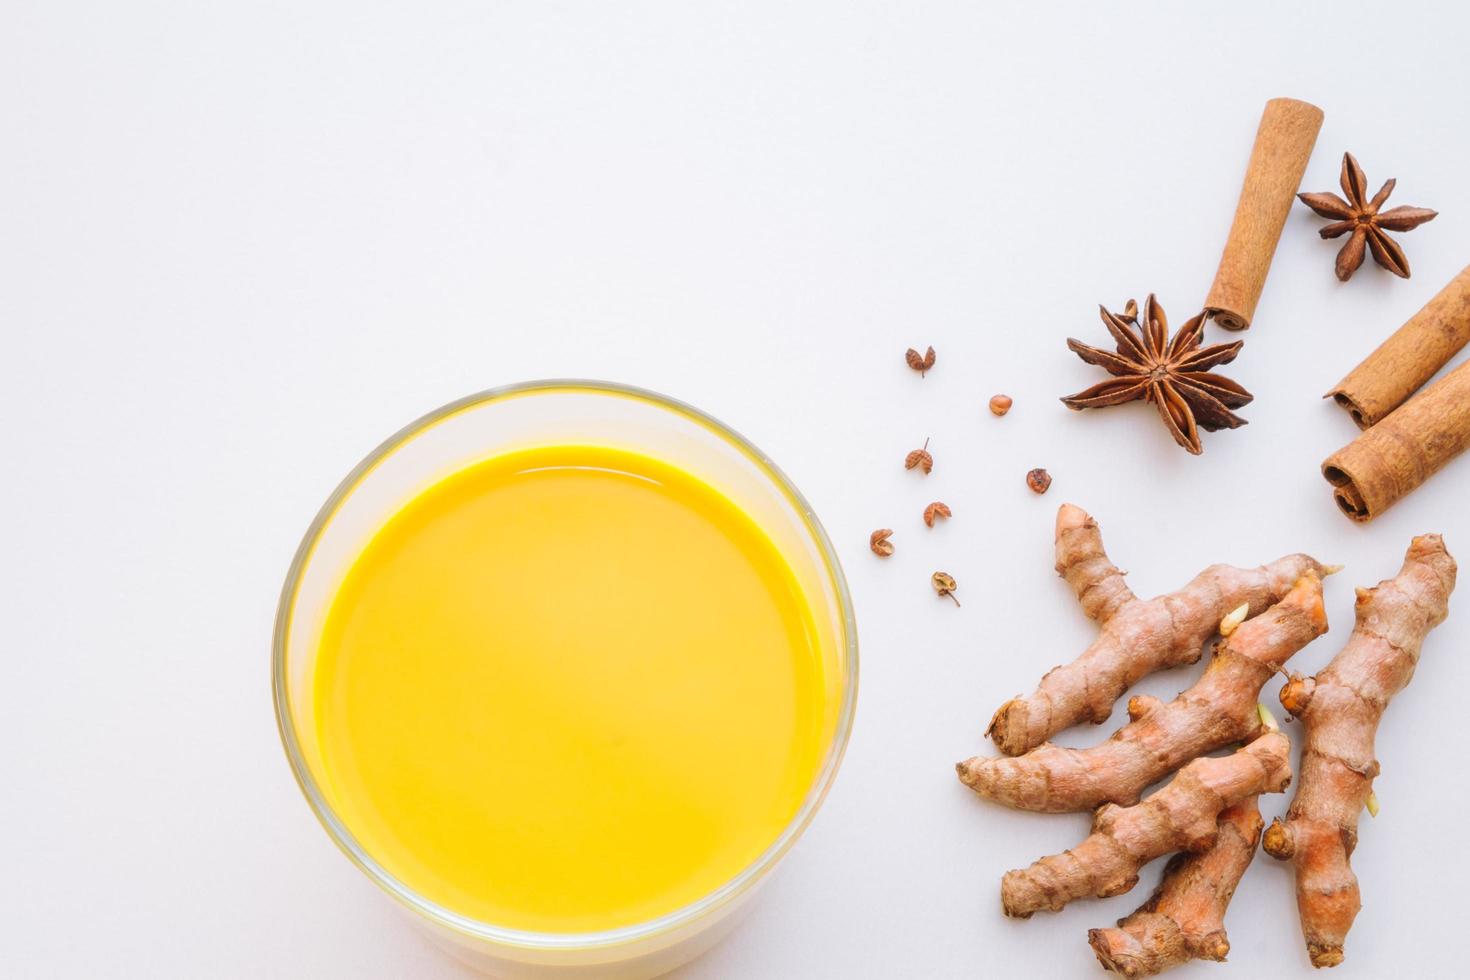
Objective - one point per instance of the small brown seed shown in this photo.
(1000, 404)
(879, 542)
(920, 458)
(945, 585)
(935, 511)
(1038, 480)
(921, 363)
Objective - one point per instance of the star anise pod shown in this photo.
(1173, 374)
(1369, 226)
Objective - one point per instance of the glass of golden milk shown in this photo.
(566, 668)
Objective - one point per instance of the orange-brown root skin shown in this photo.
(1180, 817)
(1220, 709)
(1185, 918)
(1340, 710)
(1137, 636)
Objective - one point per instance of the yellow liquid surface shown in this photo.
(569, 689)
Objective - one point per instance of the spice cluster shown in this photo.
(1251, 620)
(921, 460)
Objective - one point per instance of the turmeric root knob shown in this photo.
(1181, 816)
(1278, 841)
(1140, 706)
(1296, 694)
(1185, 918)
(1137, 636)
(1324, 956)
(1340, 710)
(1218, 710)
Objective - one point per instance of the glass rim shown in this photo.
(505, 936)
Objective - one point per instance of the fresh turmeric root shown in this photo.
(1220, 709)
(1138, 636)
(1340, 709)
(1180, 817)
(1185, 918)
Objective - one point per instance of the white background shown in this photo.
(241, 243)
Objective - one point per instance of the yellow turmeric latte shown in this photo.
(568, 689)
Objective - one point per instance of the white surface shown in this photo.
(242, 243)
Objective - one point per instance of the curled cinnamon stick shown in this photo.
(1389, 460)
(1284, 142)
(1408, 358)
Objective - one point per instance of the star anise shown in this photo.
(1369, 226)
(1173, 374)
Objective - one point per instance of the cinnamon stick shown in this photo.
(1284, 142)
(1408, 358)
(1391, 459)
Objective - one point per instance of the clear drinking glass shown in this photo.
(519, 417)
